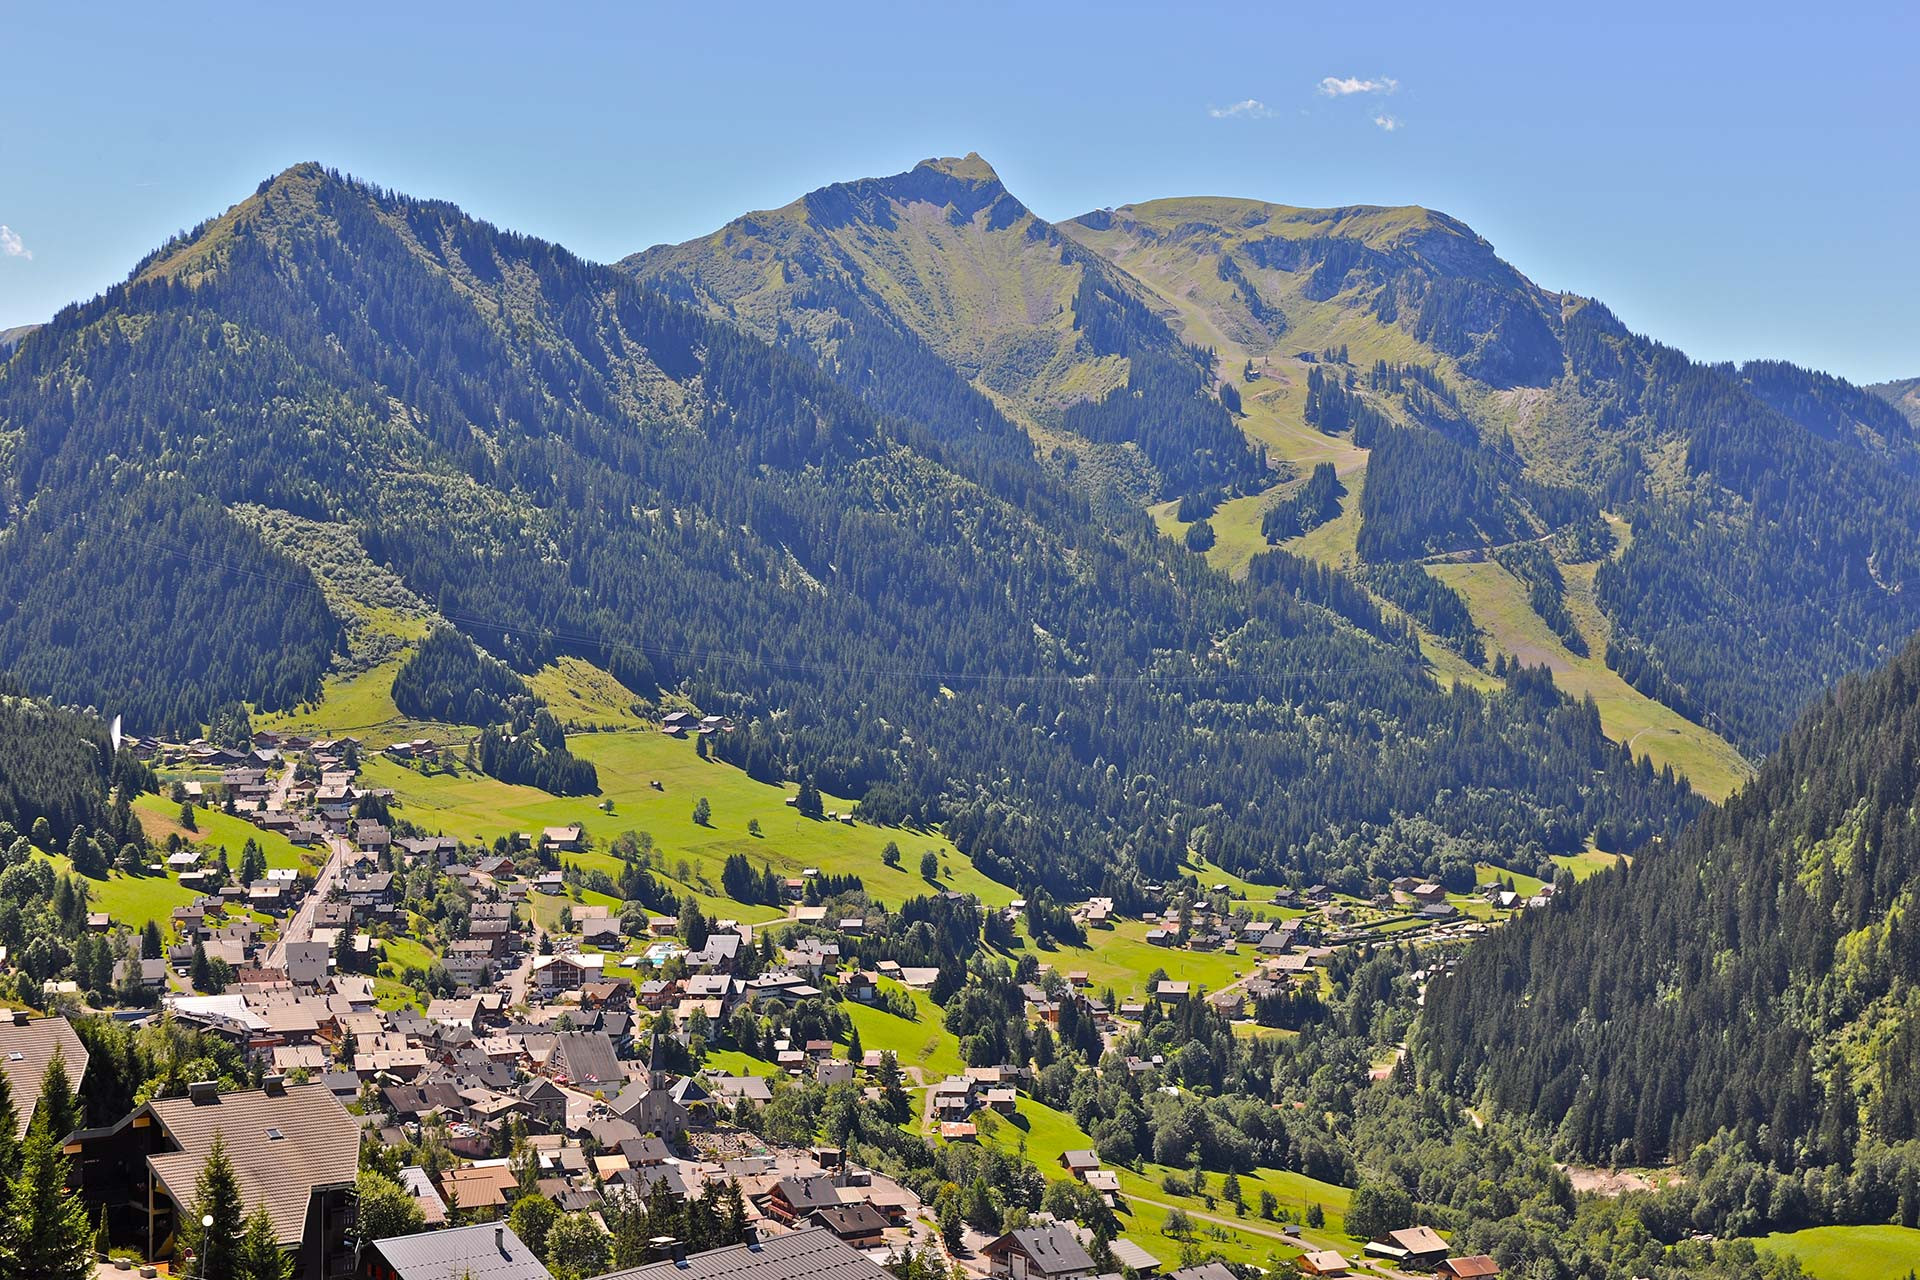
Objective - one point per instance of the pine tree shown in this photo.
(260, 1255)
(49, 1225)
(216, 1246)
(151, 946)
(58, 1107)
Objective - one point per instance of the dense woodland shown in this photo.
(587, 467)
(1729, 988)
(447, 679)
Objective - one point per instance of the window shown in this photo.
(274, 1135)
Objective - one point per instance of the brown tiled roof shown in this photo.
(318, 1146)
(25, 1051)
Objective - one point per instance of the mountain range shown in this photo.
(889, 475)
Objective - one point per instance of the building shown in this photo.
(294, 1150)
(1324, 1262)
(489, 1251)
(795, 1198)
(26, 1047)
(859, 1224)
(1478, 1267)
(816, 1254)
(1420, 1247)
(1040, 1253)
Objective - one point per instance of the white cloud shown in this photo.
(1387, 122)
(10, 243)
(1341, 86)
(1248, 108)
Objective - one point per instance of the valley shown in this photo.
(1204, 735)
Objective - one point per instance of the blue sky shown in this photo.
(1736, 183)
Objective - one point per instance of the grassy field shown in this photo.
(160, 817)
(1592, 862)
(404, 954)
(1122, 958)
(1850, 1253)
(131, 900)
(923, 1042)
(1525, 885)
(1044, 1134)
(1499, 605)
(359, 706)
(472, 806)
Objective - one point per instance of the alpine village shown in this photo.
(903, 739)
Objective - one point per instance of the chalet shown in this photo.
(1477, 1267)
(1039, 1253)
(1420, 1247)
(563, 838)
(1428, 892)
(1079, 1163)
(295, 1152)
(1324, 1262)
(793, 1199)
(603, 932)
(374, 889)
(860, 1224)
(721, 953)
(1167, 989)
(551, 883)
(566, 971)
(1160, 937)
(860, 985)
(953, 1098)
(678, 722)
(484, 1249)
(152, 973)
(480, 1191)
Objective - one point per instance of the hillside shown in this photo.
(1761, 977)
(1903, 394)
(946, 276)
(334, 415)
(1394, 344)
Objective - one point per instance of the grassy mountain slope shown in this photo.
(887, 590)
(955, 279)
(1537, 388)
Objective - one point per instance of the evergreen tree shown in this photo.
(58, 1106)
(260, 1256)
(49, 1227)
(216, 1245)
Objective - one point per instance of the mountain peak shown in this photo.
(967, 168)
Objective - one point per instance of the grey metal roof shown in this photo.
(488, 1251)
(816, 1254)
